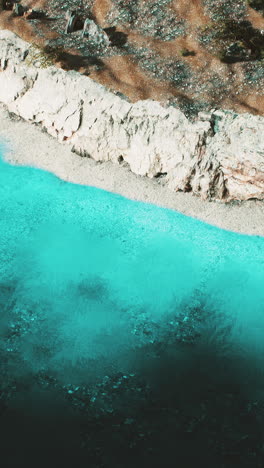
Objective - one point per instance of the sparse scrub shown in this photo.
(256, 4)
(190, 107)
(142, 35)
(167, 69)
(254, 74)
(187, 52)
(175, 71)
(43, 57)
(152, 18)
(221, 10)
(235, 52)
(233, 41)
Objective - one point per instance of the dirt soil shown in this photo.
(193, 55)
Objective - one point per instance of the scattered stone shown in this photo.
(94, 33)
(73, 22)
(151, 18)
(18, 9)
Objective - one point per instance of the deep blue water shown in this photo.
(93, 285)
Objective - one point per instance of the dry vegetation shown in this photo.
(198, 55)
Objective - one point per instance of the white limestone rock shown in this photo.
(238, 146)
(220, 156)
(13, 49)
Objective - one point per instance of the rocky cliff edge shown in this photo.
(219, 156)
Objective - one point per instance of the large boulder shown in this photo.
(95, 34)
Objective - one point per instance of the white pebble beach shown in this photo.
(26, 144)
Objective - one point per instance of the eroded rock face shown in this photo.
(220, 156)
(13, 50)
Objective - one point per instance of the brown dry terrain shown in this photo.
(195, 54)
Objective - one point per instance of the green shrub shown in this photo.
(43, 57)
(219, 10)
(256, 4)
(152, 18)
(222, 36)
(187, 52)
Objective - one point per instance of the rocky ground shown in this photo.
(195, 55)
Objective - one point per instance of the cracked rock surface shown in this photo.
(218, 156)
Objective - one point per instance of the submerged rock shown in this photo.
(219, 156)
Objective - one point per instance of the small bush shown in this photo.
(43, 57)
(233, 53)
(219, 10)
(256, 4)
(152, 18)
(187, 52)
(237, 39)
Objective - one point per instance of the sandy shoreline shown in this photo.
(30, 146)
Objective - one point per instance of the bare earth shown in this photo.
(150, 62)
(28, 145)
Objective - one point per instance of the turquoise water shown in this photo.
(91, 264)
(93, 283)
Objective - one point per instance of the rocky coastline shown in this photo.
(219, 156)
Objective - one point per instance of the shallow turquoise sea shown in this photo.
(93, 284)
